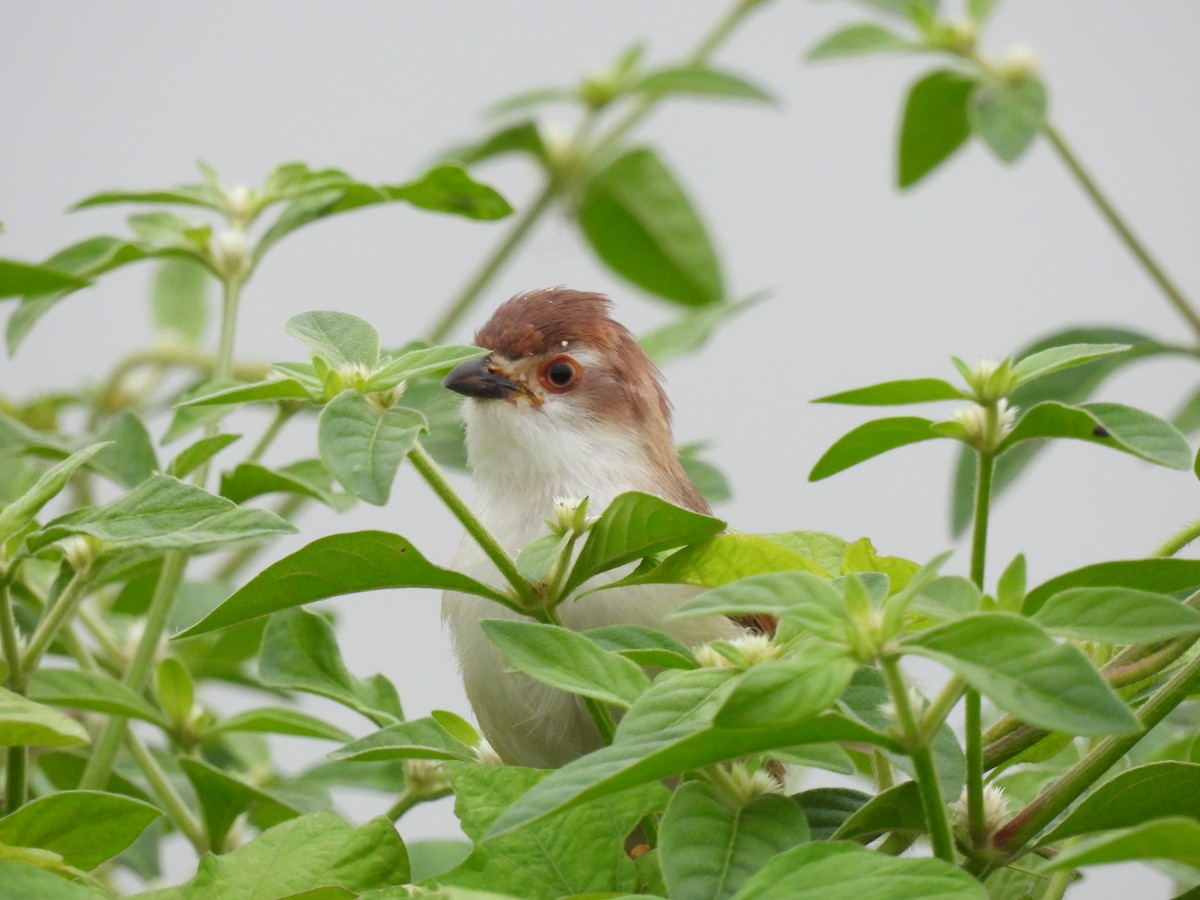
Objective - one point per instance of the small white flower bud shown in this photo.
(486, 755)
(708, 657)
(995, 811)
(230, 253)
(1018, 63)
(81, 550)
(240, 202)
(746, 783)
(570, 514)
(424, 776)
(743, 652)
(986, 428)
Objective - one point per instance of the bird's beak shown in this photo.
(479, 378)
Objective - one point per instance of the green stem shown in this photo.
(409, 798)
(1179, 540)
(231, 292)
(17, 756)
(433, 476)
(881, 770)
(17, 760)
(1057, 886)
(95, 774)
(939, 709)
(1029, 822)
(1124, 232)
(177, 811)
(284, 412)
(918, 749)
(57, 615)
(983, 497)
(974, 719)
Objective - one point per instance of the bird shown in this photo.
(566, 404)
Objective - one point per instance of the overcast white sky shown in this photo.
(867, 284)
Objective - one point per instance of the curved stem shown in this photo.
(55, 617)
(177, 811)
(1090, 187)
(284, 412)
(410, 798)
(1179, 540)
(918, 749)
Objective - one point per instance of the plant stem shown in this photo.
(983, 497)
(284, 412)
(1124, 232)
(1029, 822)
(977, 829)
(14, 787)
(95, 774)
(409, 798)
(939, 709)
(230, 294)
(433, 476)
(177, 811)
(1179, 540)
(918, 749)
(54, 618)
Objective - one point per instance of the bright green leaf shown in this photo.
(18, 279)
(420, 363)
(858, 40)
(934, 124)
(307, 478)
(21, 512)
(280, 720)
(700, 81)
(25, 878)
(1063, 356)
(198, 453)
(176, 690)
(415, 739)
(897, 393)
(1176, 839)
(129, 459)
(1010, 590)
(827, 808)
(1159, 576)
(91, 691)
(271, 389)
(1008, 115)
(364, 445)
(1134, 797)
(721, 560)
(1123, 428)
(1113, 615)
(645, 646)
(25, 723)
(342, 340)
(869, 440)
(84, 827)
(799, 596)
(224, 797)
(788, 691)
(898, 808)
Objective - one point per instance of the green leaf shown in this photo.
(1119, 616)
(299, 652)
(709, 847)
(788, 691)
(16, 515)
(798, 596)
(91, 691)
(1112, 425)
(1187, 419)
(523, 137)
(164, 513)
(279, 720)
(129, 459)
(578, 852)
(271, 389)
(18, 279)
(198, 453)
(537, 557)
(948, 598)
(1176, 839)
(897, 393)
(342, 340)
(858, 40)
(29, 724)
(332, 566)
(1008, 115)
(1134, 797)
(223, 798)
(645, 646)
(315, 851)
(898, 808)
(827, 808)
(709, 480)
(415, 739)
(364, 445)
(430, 858)
(1159, 576)
(640, 222)
(1010, 590)
(934, 124)
(29, 879)
(186, 419)
(420, 363)
(563, 659)
(1063, 356)
(307, 478)
(201, 195)
(980, 10)
(692, 329)
(837, 871)
(869, 440)
(1020, 668)
(457, 727)
(700, 81)
(176, 690)
(84, 827)
(633, 526)
(180, 300)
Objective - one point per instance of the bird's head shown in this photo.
(568, 391)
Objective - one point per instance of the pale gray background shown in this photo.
(868, 285)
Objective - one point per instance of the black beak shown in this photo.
(477, 379)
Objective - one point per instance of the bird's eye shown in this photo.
(558, 373)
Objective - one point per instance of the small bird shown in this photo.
(565, 405)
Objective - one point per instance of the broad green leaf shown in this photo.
(272, 389)
(1008, 115)
(934, 123)
(1063, 356)
(457, 727)
(862, 558)
(1176, 839)
(700, 81)
(799, 596)
(280, 720)
(869, 440)
(825, 550)
(342, 340)
(721, 560)
(308, 478)
(576, 853)
(640, 222)
(415, 739)
(18, 279)
(21, 512)
(333, 566)
(129, 459)
(645, 646)
(84, 827)
(180, 300)
(857, 40)
(197, 454)
(224, 797)
(1113, 615)
(164, 513)
(176, 690)
(91, 691)
(25, 723)
(710, 847)
(1134, 797)
(947, 598)
(537, 557)
(315, 851)
(419, 363)
(637, 525)
(827, 808)
(1020, 668)
(1159, 576)
(364, 445)
(898, 808)
(838, 871)
(561, 658)
(430, 858)
(897, 393)
(691, 331)
(787, 691)
(34, 879)
(523, 137)
(1123, 428)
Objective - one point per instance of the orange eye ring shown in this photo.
(559, 373)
